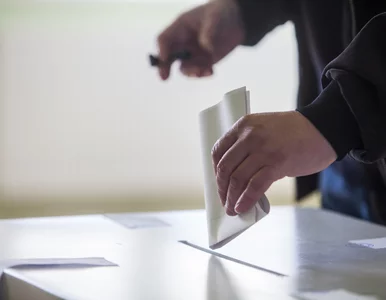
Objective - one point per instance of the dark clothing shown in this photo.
(342, 91)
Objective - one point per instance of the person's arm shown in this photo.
(262, 16)
(351, 111)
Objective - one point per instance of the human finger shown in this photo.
(175, 38)
(255, 189)
(229, 162)
(239, 180)
(192, 70)
(199, 65)
(165, 45)
(221, 146)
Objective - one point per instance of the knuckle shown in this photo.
(256, 185)
(249, 135)
(249, 196)
(253, 188)
(221, 190)
(222, 181)
(273, 174)
(280, 157)
(250, 138)
(270, 174)
(244, 122)
(222, 170)
(215, 152)
(235, 181)
(257, 138)
(259, 130)
(246, 119)
(162, 38)
(248, 130)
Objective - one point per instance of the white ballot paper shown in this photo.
(215, 121)
(82, 262)
(378, 243)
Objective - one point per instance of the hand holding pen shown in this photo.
(199, 38)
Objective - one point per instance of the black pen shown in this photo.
(183, 55)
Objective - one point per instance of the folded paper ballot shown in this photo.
(215, 121)
(50, 262)
(81, 262)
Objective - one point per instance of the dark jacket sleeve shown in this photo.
(351, 111)
(262, 16)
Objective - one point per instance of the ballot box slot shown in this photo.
(232, 259)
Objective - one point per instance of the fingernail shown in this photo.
(229, 210)
(242, 207)
(237, 209)
(194, 72)
(207, 73)
(163, 74)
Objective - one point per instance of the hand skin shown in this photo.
(262, 148)
(209, 32)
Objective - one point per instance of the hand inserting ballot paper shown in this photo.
(215, 121)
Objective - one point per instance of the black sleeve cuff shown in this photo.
(260, 17)
(331, 115)
(248, 11)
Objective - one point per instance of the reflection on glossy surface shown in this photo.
(218, 277)
(269, 244)
(327, 261)
(154, 265)
(360, 282)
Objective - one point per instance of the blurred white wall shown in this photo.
(83, 115)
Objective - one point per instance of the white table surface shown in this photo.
(154, 265)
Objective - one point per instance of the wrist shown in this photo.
(332, 117)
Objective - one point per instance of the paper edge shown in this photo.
(244, 88)
(263, 202)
